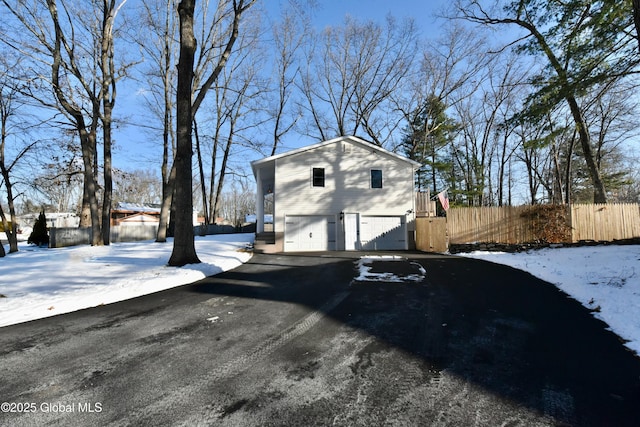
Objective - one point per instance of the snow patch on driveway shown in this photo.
(388, 269)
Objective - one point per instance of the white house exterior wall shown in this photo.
(347, 187)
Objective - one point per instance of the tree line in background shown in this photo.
(524, 101)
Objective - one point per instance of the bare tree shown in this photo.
(238, 105)
(107, 96)
(161, 48)
(10, 104)
(76, 45)
(236, 203)
(353, 73)
(450, 71)
(141, 185)
(184, 246)
(184, 251)
(583, 44)
(237, 83)
(235, 97)
(289, 35)
(510, 91)
(59, 179)
(486, 128)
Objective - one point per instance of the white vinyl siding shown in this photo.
(347, 185)
(347, 182)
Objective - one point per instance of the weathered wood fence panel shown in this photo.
(431, 234)
(72, 236)
(605, 222)
(424, 205)
(133, 233)
(504, 224)
(526, 224)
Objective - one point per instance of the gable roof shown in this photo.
(354, 139)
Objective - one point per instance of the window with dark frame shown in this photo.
(318, 177)
(376, 178)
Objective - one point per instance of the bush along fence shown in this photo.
(543, 224)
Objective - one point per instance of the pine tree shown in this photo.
(583, 43)
(426, 141)
(40, 234)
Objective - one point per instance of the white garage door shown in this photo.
(309, 233)
(383, 233)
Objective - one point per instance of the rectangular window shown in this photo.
(376, 178)
(318, 177)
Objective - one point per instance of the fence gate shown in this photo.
(431, 234)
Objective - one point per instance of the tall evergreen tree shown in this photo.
(426, 140)
(40, 234)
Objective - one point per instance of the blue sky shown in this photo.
(332, 12)
(133, 149)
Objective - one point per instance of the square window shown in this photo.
(376, 178)
(318, 177)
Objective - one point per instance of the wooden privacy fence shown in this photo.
(425, 207)
(548, 223)
(605, 222)
(431, 234)
(72, 236)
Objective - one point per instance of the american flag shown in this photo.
(444, 199)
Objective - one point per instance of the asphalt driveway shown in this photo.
(295, 340)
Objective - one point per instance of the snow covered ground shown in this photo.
(605, 279)
(39, 282)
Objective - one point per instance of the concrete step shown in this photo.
(265, 243)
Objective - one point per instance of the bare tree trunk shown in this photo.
(108, 178)
(10, 230)
(288, 36)
(212, 180)
(9, 226)
(108, 96)
(164, 56)
(599, 193)
(223, 169)
(501, 170)
(6, 110)
(86, 133)
(167, 201)
(557, 196)
(183, 244)
(567, 172)
(88, 144)
(184, 251)
(203, 186)
(636, 19)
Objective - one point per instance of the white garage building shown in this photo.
(341, 194)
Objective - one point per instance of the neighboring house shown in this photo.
(54, 220)
(135, 214)
(140, 219)
(341, 194)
